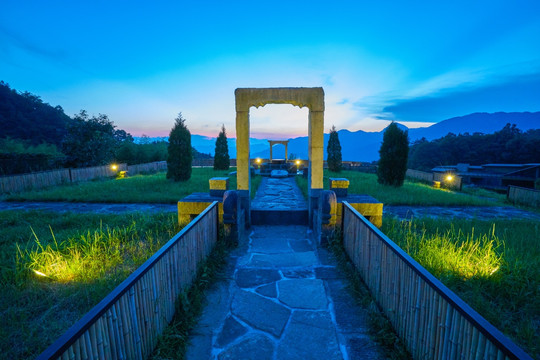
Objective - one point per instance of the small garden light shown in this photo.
(297, 162)
(39, 273)
(258, 160)
(449, 178)
(114, 167)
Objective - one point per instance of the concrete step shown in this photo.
(279, 217)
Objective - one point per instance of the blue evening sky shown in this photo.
(142, 62)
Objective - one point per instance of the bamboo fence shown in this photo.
(430, 177)
(523, 196)
(420, 175)
(433, 322)
(152, 167)
(36, 180)
(44, 179)
(95, 172)
(210, 162)
(127, 323)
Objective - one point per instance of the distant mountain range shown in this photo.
(364, 146)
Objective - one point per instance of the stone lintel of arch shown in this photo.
(312, 98)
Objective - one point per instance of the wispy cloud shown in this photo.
(509, 94)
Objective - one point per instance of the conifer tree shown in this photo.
(333, 151)
(393, 156)
(221, 155)
(180, 156)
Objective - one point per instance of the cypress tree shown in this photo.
(180, 156)
(333, 151)
(221, 155)
(393, 156)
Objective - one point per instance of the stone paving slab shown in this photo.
(303, 294)
(279, 261)
(252, 277)
(253, 347)
(310, 335)
(259, 312)
(281, 306)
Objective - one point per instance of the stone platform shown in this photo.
(366, 205)
(194, 204)
(279, 201)
(281, 297)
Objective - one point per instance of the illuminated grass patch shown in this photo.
(50, 278)
(449, 252)
(97, 253)
(494, 266)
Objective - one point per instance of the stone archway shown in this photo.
(282, 142)
(313, 99)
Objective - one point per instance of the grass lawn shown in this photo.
(54, 268)
(494, 266)
(83, 257)
(154, 188)
(411, 193)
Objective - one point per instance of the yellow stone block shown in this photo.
(188, 211)
(372, 211)
(339, 183)
(219, 183)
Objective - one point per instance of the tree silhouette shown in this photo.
(393, 156)
(221, 155)
(333, 151)
(90, 141)
(180, 156)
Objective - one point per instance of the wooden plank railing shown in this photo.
(433, 322)
(127, 323)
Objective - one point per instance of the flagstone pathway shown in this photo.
(281, 297)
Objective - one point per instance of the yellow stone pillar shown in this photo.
(242, 163)
(242, 150)
(316, 148)
(316, 155)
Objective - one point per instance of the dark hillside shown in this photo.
(510, 145)
(25, 116)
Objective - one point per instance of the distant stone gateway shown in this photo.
(279, 174)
